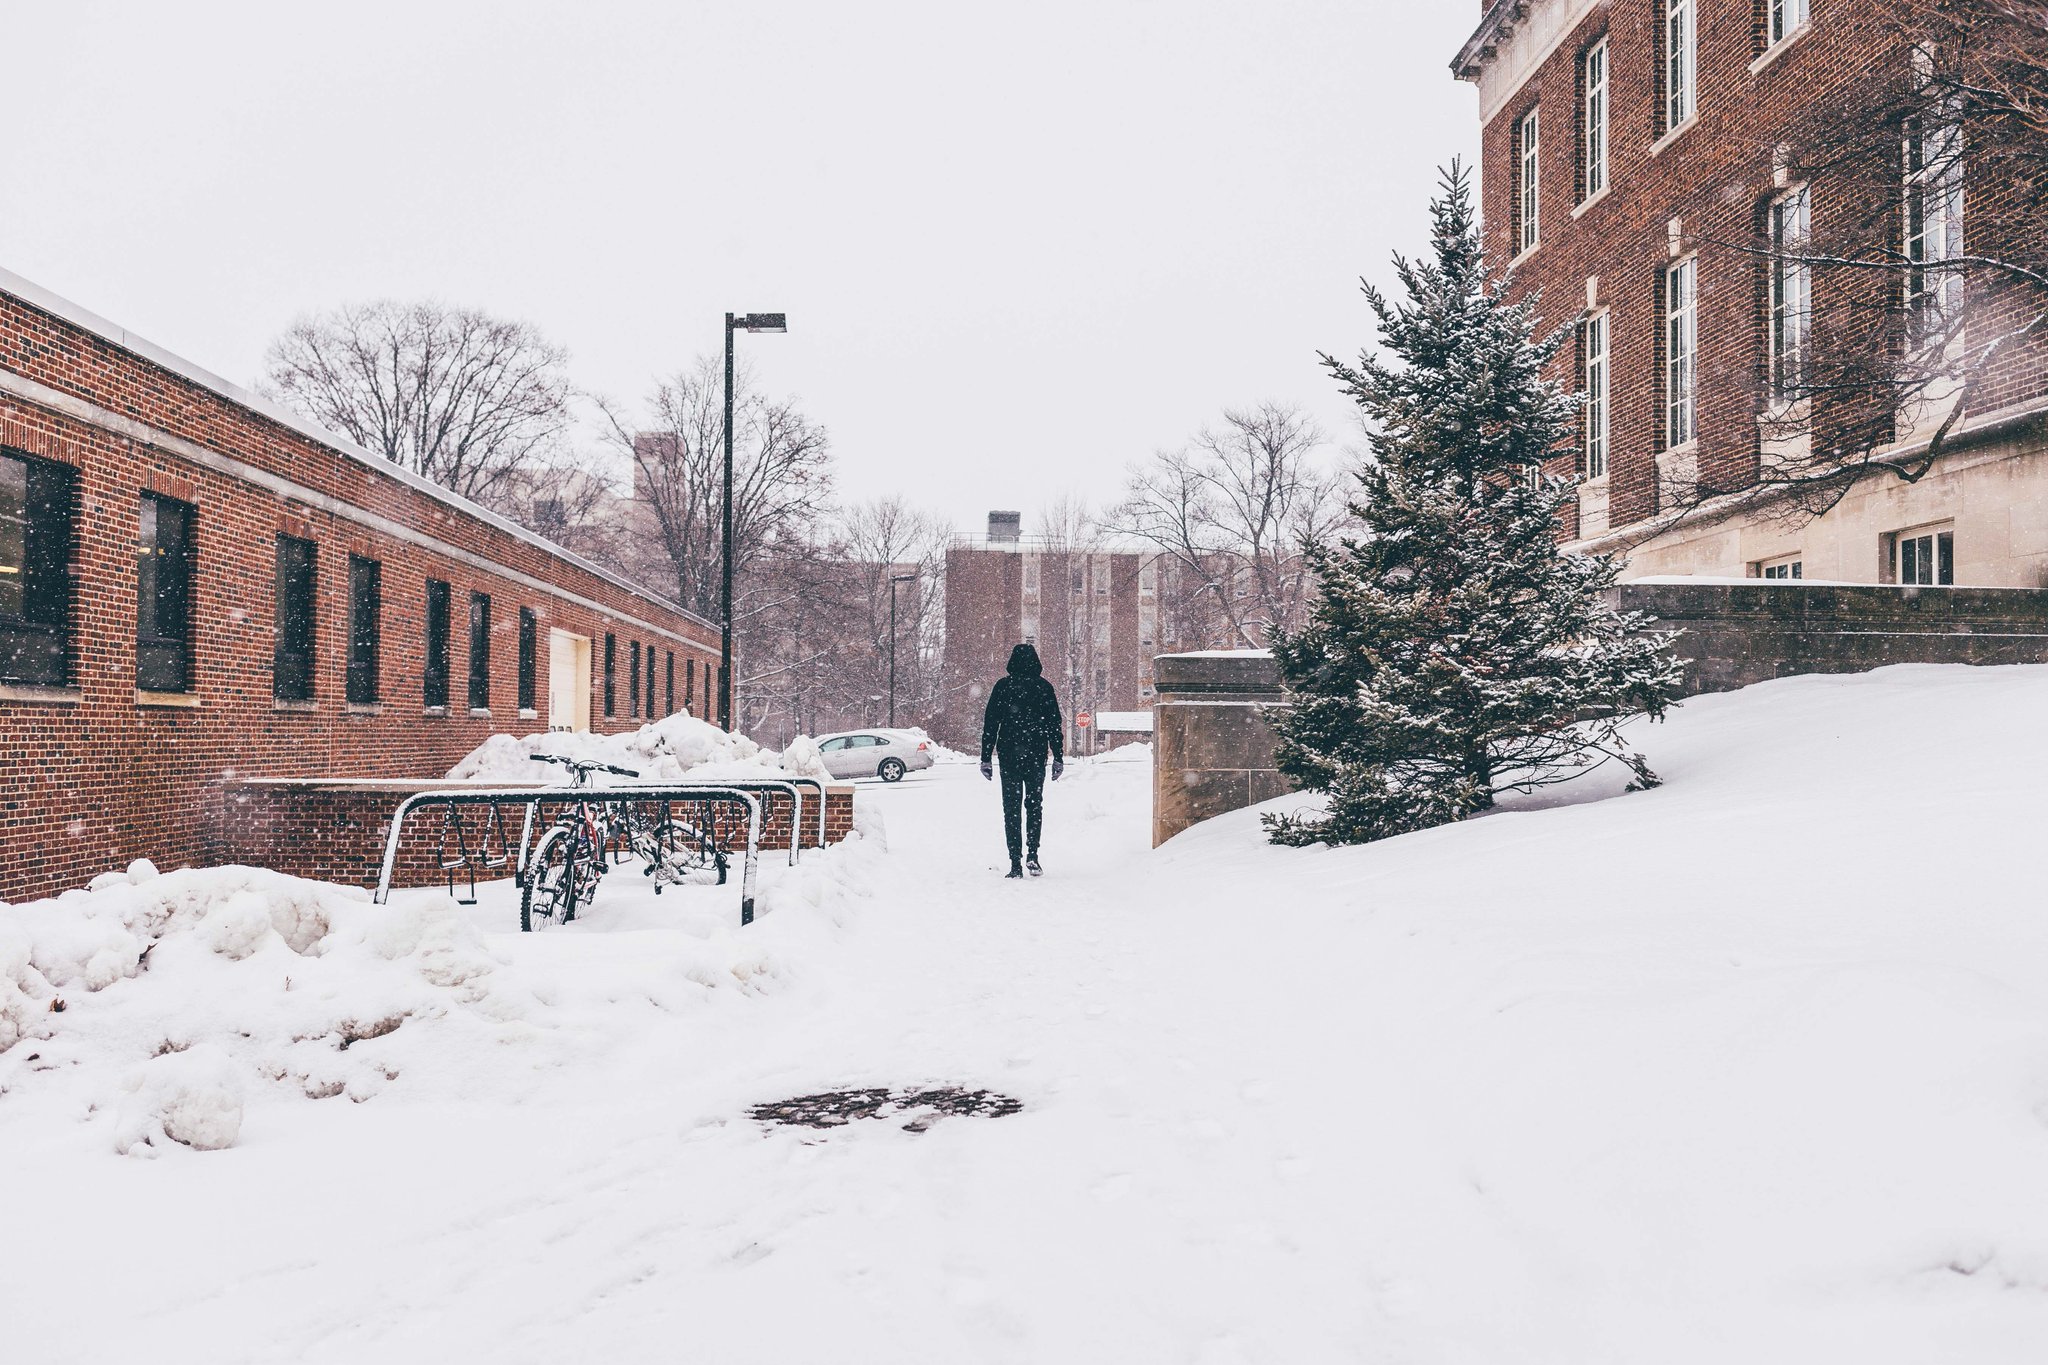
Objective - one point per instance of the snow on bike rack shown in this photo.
(634, 793)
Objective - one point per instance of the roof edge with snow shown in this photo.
(57, 306)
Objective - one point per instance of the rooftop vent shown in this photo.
(1005, 528)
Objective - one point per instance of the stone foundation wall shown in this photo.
(336, 831)
(1212, 748)
(1735, 634)
(1213, 751)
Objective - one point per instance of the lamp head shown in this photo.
(762, 322)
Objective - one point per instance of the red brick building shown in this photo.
(196, 585)
(1632, 151)
(1092, 614)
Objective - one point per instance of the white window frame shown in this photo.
(1791, 290)
(1596, 341)
(1934, 536)
(1594, 112)
(1681, 352)
(1786, 18)
(1933, 225)
(1529, 148)
(1681, 63)
(1785, 568)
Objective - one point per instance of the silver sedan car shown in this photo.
(887, 754)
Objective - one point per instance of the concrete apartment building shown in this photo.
(1626, 144)
(198, 588)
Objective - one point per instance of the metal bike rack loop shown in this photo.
(532, 798)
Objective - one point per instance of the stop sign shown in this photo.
(1082, 720)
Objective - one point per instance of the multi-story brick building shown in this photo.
(198, 586)
(1093, 615)
(1632, 162)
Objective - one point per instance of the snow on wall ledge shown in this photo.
(335, 829)
(1215, 751)
(1738, 633)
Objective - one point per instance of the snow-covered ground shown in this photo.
(1752, 1067)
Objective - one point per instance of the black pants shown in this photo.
(1023, 806)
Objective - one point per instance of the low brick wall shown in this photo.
(1212, 750)
(335, 830)
(1736, 634)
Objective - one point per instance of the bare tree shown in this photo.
(1230, 512)
(1889, 323)
(782, 478)
(456, 395)
(882, 539)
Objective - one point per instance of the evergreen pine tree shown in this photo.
(1453, 652)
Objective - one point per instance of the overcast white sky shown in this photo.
(1019, 245)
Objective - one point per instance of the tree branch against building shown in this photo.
(456, 395)
(1230, 512)
(1903, 251)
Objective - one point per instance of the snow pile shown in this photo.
(193, 1097)
(667, 750)
(163, 994)
(939, 752)
(1140, 752)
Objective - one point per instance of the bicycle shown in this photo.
(576, 851)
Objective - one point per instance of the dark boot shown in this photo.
(1031, 864)
(1016, 869)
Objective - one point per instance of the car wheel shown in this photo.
(891, 770)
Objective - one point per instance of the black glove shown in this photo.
(988, 770)
(1059, 765)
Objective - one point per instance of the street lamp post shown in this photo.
(894, 579)
(745, 322)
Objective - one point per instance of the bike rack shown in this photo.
(533, 799)
(796, 814)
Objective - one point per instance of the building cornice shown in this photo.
(1965, 442)
(35, 296)
(1495, 28)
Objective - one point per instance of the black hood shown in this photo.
(1024, 663)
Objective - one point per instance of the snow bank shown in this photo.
(186, 985)
(940, 753)
(163, 1006)
(670, 749)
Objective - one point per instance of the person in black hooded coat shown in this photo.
(1021, 727)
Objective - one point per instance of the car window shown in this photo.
(868, 741)
(833, 746)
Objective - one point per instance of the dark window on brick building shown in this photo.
(650, 712)
(1593, 120)
(365, 627)
(479, 652)
(163, 595)
(435, 691)
(689, 684)
(1529, 181)
(633, 678)
(1677, 64)
(529, 648)
(611, 674)
(291, 677)
(668, 692)
(35, 570)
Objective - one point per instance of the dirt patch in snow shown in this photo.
(919, 1109)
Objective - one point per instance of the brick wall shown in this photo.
(93, 774)
(1714, 177)
(336, 831)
